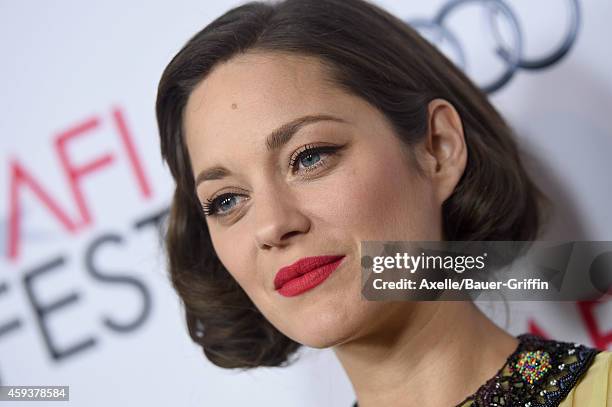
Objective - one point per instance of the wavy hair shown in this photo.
(370, 54)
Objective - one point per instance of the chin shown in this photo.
(323, 332)
(322, 342)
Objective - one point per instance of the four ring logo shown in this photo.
(504, 29)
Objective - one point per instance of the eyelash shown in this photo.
(210, 206)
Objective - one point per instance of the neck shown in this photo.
(425, 354)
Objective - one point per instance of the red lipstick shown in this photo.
(305, 274)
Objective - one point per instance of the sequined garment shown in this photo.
(539, 373)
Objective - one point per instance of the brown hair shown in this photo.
(370, 54)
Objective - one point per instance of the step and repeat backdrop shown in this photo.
(85, 299)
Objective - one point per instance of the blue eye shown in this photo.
(221, 204)
(226, 202)
(309, 159)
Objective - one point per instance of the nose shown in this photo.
(278, 218)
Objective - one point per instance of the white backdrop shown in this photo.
(84, 297)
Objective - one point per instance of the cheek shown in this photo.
(227, 245)
(381, 199)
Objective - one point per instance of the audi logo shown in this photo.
(510, 53)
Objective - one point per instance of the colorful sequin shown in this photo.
(532, 365)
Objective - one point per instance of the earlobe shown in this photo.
(446, 146)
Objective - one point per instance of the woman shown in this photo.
(296, 130)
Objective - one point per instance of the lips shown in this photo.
(301, 267)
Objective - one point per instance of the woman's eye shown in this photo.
(220, 205)
(311, 157)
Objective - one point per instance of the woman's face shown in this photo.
(284, 206)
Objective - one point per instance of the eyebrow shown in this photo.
(275, 140)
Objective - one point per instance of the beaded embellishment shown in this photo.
(532, 365)
(539, 373)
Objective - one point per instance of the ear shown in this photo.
(445, 149)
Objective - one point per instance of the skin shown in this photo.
(395, 353)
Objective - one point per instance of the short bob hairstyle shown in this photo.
(371, 54)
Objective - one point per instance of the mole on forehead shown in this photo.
(234, 106)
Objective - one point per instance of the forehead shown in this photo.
(245, 98)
